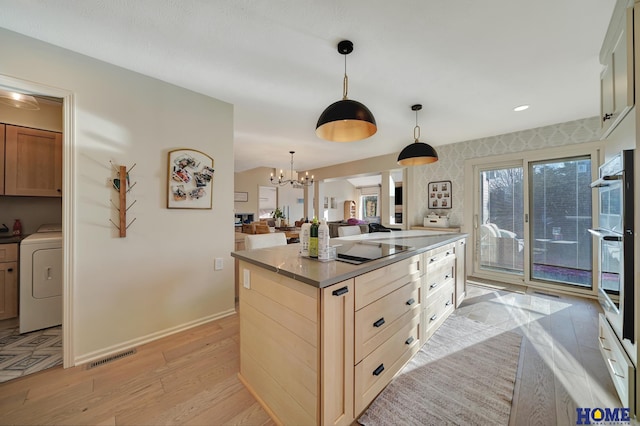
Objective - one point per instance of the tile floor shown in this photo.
(22, 354)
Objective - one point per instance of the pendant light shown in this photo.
(346, 120)
(417, 153)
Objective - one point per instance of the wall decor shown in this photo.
(241, 197)
(190, 180)
(440, 194)
(122, 185)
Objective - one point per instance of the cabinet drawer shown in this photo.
(373, 285)
(618, 363)
(376, 322)
(439, 277)
(438, 310)
(432, 257)
(374, 372)
(8, 252)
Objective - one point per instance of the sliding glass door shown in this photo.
(501, 220)
(560, 216)
(530, 221)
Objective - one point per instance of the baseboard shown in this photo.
(83, 359)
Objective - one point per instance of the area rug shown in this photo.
(464, 375)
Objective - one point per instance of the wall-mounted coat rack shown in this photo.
(122, 184)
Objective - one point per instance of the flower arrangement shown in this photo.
(277, 214)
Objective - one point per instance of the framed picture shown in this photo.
(241, 197)
(333, 203)
(440, 194)
(189, 180)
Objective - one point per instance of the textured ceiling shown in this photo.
(468, 62)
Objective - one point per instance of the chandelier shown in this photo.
(295, 183)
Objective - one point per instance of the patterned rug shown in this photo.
(22, 354)
(464, 375)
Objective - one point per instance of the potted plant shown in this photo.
(278, 216)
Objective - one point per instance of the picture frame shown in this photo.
(440, 196)
(240, 197)
(189, 179)
(333, 203)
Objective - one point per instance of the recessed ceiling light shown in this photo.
(521, 108)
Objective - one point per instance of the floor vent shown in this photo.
(110, 358)
(547, 294)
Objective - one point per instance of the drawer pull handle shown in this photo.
(447, 253)
(433, 259)
(379, 322)
(409, 340)
(434, 285)
(340, 291)
(446, 277)
(448, 303)
(10, 270)
(378, 370)
(433, 318)
(613, 368)
(411, 301)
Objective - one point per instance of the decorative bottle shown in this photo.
(323, 241)
(17, 227)
(305, 229)
(313, 239)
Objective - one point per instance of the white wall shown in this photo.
(160, 277)
(340, 190)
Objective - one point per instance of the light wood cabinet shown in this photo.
(8, 281)
(2, 143)
(33, 162)
(617, 77)
(321, 355)
(349, 209)
(438, 287)
(337, 354)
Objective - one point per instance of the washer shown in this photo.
(41, 279)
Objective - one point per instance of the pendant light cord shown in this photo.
(416, 130)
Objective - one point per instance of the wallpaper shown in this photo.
(450, 165)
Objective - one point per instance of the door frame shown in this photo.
(594, 149)
(68, 195)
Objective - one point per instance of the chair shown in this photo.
(271, 239)
(262, 228)
(345, 231)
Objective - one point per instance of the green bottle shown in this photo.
(313, 239)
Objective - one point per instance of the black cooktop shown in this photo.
(366, 251)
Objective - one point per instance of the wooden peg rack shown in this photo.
(123, 188)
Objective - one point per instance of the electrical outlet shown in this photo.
(246, 282)
(219, 264)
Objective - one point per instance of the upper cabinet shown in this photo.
(617, 78)
(32, 162)
(2, 126)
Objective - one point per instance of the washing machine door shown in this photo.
(47, 273)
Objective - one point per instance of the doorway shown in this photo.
(37, 89)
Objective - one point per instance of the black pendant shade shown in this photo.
(417, 153)
(346, 120)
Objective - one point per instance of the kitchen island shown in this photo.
(319, 340)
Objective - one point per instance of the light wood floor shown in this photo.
(191, 377)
